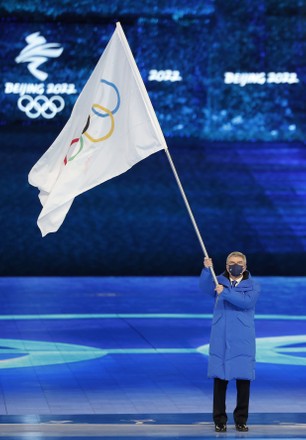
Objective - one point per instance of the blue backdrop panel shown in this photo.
(227, 81)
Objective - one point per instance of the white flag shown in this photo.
(112, 127)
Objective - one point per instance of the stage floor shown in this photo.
(126, 357)
(150, 426)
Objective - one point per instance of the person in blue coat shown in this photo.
(232, 339)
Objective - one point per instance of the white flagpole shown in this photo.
(155, 122)
(190, 212)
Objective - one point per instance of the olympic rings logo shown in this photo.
(41, 106)
(100, 112)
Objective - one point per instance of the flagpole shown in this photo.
(154, 120)
(190, 212)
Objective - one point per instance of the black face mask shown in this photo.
(235, 270)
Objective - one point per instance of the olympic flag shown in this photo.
(112, 127)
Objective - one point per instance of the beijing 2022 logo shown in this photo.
(39, 99)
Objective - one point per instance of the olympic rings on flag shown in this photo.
(118, 100)
(79, 150)
(101, 112)
(108, 113)
(41, 105)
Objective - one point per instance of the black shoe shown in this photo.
(241, 428)
(220, 427)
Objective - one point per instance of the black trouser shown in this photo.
(241, 411)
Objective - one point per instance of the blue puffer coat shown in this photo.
(232, 339)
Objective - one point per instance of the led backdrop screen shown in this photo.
(227, 81)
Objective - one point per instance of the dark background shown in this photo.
(240, 151)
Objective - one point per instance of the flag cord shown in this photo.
(190, 212)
